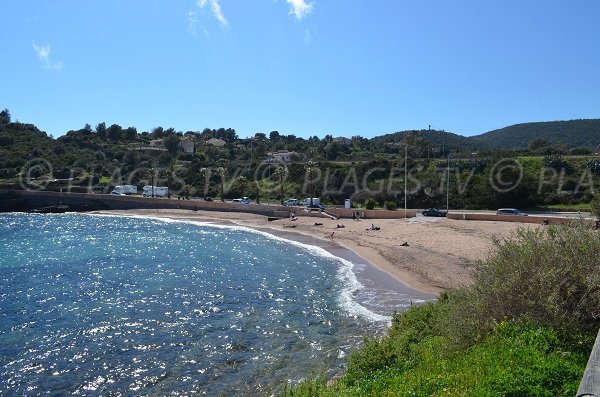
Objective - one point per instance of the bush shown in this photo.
(595, 206)
(390, 205)
(547, 276)
(370, 203)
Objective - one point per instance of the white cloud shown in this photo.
(43, 53)
(192, 22)
(216, 10)
(300, 8)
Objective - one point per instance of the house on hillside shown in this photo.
(187, 144)
(215, 142)
(282, 156)
(342, 141)
(156, 144)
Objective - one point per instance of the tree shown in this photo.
(242, 183)
(130, 134)
(151, 173)
(273, 136)
(101, 130)
(171, 142)
(114, 132)
(281, 173)
(221, 171)
(332, 151)
(4, 117)
(311, 168)
(157, 133)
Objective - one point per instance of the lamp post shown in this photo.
(405, 178)
(448, 185)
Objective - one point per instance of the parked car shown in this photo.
(433, 212)
(291, 202)
(243, 200)
(510, 211)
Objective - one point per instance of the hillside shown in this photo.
(436, 140)
(573, 133)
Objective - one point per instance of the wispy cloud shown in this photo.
(43, 53)
(193, 20)
(300, 8)
(216, 10)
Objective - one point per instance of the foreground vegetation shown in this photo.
(524, 328)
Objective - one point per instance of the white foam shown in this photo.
(345, 271)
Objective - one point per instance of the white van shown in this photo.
(158, 191)
(124, 189)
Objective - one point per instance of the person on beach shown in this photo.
(331, 237)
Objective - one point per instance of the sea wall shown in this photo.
(28, 200)
(510, 218)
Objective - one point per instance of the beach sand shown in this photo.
(440, 255)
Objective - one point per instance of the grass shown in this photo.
(524, 328)
(516, 359)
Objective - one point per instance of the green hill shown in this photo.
(573, 133)
(434, 139)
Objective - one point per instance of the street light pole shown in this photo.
(448, 185)
(405, 178)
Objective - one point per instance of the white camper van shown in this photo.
(315, 201)
(124, 189)
(159, 191)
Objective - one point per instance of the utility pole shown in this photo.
(405, 178)
(448, 185)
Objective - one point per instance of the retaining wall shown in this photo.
(510, 218)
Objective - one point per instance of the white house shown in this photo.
(283, 156)
(186, 144)
(342, 140)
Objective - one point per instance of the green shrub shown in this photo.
(390, 205)
(595, 206)
(549, 276)
(370, 203)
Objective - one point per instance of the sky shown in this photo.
(302, 67)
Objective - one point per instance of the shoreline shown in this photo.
(356, 254)
(441, 253)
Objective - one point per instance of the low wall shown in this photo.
(32, 199)
(510, 218)
(27, 200)
(372, 214)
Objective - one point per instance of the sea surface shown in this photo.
(120, 306)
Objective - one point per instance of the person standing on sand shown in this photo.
(331, 237)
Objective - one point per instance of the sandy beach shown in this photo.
(440, 254)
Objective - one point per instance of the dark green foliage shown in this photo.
(390, 205)
(594, 166)
(574, 133)
(370, 203)
(171, 142)
(555, 161)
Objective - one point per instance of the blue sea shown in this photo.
(122, 306)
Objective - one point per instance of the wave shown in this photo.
(345, 270)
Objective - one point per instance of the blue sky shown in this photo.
(302, 67)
